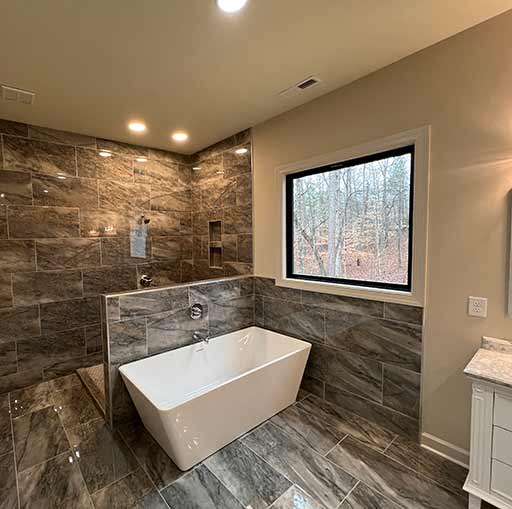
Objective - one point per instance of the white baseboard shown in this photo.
(445, 449)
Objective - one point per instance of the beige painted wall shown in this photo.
(463, 88)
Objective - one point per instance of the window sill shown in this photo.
(378, 294)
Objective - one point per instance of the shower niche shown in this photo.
(215, 244)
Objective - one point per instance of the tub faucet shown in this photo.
(198, 336)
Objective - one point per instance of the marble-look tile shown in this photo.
(226, 144)
(70, 314)
(20, 322)
(58, 254)
(237, 164)
(200, 220)
(312, 386)
(127, 341)
(390, 478)
(363, 497)
(259, 319)
(102, 455)
(43, 222)
(17, 255)
(109, 279)
(163, 273)
(120, 147)
(295, 498)
(51, 349)
(238, 220)
(30, 399)
(57, 136)
(387, 418)
(117, 251)
(8, 358)
(200, 489)
(246, 286)
(5, 426)
(168, 156)
(38, 436)
(123, 195)
(20, 379)
(16, 188)
(230, 315)
(431, 465)
(42, 287)
(347, 371)
(152, 302)
(229, 248)
(64, 382)
(294, 319)
(220, 193)
(168, 176)
(134, 491)
(307, 428)
(64, 367)
(91, 165)
(8, 490)
(169, 248)
(245, 248)
(244, 190)
(155, 462)
(346, 422)
(3, 221)
(345, 304)
(383, 340)
(75, 406)
(403, 313)
(322, 479)
(69, 192)
(401, 390)
(111, 304)
(164, 223)
(103, 223)
(93, 339)
(232, 269)
(253, 481)
(177, 201)
(267, 288)
(174, 329)
(217, 291)
(5, 290)
(55, 483)
(13, 128)
(39, 157)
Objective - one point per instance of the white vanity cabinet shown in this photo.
(490, 468)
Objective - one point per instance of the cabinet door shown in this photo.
(481, 436)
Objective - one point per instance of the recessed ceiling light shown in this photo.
(231, 5)
(241, 151)
(180, 136)
(2, 195)
(45, 190)
(141, 159)
(105, 153)
(196, 168)
(137, 127)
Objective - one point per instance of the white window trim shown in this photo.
(420, 138)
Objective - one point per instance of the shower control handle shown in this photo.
(145, 281)
(196, 311)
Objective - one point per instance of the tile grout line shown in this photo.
(13, 449)
(389, 445)
(334, 447)
(349, 493)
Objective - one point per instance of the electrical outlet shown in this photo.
(477, 306)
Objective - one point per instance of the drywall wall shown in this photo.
(462, 87)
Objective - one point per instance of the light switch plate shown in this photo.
(477, 306)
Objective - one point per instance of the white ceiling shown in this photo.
(97, 64)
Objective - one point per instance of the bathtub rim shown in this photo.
(305, 346)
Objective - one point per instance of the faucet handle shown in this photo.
(196, 311)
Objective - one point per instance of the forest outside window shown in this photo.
(351, 222)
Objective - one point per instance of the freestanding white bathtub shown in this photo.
(197, 399)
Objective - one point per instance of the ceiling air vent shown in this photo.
(299, 87)
(18, 95)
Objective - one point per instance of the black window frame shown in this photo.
(289, 230)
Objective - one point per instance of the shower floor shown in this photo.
(94, 381)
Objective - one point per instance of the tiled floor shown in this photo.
(56, 451)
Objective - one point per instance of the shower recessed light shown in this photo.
(61, 176)
(2, 195)
(141, 159)
(180, 136)
(45, 190)
(105, 153)
(196, 168)
(241, 151)
(137, 127)
(231, 5)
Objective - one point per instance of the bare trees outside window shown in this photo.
(350, 222)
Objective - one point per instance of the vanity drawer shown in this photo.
(502, 411)
(500, 479)
(502, 445)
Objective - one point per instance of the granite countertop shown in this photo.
(492, 362)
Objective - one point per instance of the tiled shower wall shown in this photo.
(365, 357)
(66, 215)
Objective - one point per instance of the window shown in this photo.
(350, 222)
